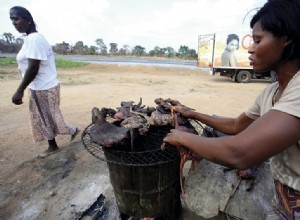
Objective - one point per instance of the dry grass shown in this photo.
(94, 73)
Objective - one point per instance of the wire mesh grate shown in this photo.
(145, 151)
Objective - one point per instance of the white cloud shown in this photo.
(146, 23)
(69, 20)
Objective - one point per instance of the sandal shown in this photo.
(74, 135)
(46, 153)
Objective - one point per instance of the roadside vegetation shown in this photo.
(10, 44)
(65, 64)
(9, 67)
(60, 63)
(7, 61)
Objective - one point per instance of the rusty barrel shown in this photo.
(145, 178)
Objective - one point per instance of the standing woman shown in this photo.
(270, 127)
(36, 64)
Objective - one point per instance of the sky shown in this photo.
(148, 23)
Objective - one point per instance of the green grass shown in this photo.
(65, 64)
(8, 67)
(59, 63)
(7, 61)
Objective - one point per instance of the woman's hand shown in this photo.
(183, 110)
(173, 137)
(17, 98)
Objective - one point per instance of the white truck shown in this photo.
(227, 54)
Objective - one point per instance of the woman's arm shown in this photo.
(265, 137)
(232, 60)
(226, 125)
(30, 74)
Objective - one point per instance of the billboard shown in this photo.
(205, 50)
(224, 50)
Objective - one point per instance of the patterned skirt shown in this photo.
(286, 203)
(46, 118)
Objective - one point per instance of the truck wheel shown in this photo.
(243, 76)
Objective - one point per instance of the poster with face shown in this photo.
(224, 50)
(231, 50)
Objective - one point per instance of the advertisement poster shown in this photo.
(205, 50)
(224, 49)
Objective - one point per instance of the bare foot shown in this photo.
(75, 134)
(46, 153)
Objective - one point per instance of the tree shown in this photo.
(170, 52)
(162, 52)
(8, 44)
(152, 53)
(183, 51)
(101, 45)
(19, 41)
(138, 50)
(113, 48)
(192, 54)
(80, 48)
(155, 52)
(159, 52)
(9, 38)
(125, 50)
(92, 50)
(62, 48)
(122, 52)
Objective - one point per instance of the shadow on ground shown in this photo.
(61, 186)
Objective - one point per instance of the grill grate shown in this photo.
(146, 149)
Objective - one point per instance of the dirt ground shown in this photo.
(104, 85)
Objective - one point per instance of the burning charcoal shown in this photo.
(105, 133)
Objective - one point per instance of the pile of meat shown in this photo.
(130, 120)
(123, 124)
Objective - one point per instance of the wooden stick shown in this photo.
(232, 193)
